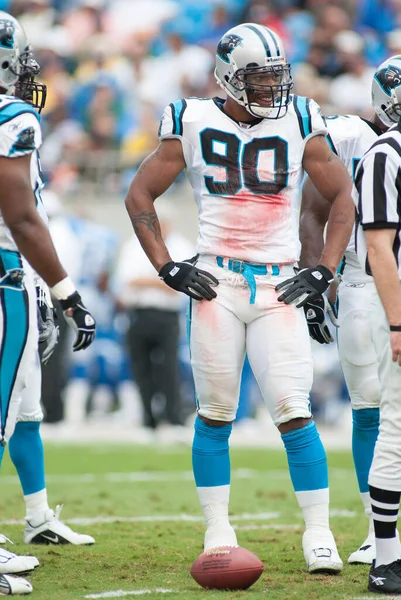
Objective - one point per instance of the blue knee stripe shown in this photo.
(1, 453)
(306, 458)
(26, 452)
(210, 454)
(365, 429)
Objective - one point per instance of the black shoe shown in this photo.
(385, 579)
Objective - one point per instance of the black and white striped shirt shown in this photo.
(377, 193)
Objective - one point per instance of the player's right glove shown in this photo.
(315, 313)
(307, 285)
(187, 278)
(80, 319)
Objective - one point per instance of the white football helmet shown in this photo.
(18, 66)
(386, 91)
(246, 56)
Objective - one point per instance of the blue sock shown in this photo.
(365, 429)
(26, 452)
(210, 454)
(306, 458)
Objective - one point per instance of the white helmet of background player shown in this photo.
(18, 66)
(252, 68)
(386, 91)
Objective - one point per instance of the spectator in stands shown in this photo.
(350, 92)
(153, 335)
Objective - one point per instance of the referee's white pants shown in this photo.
(385, 472)
(274, 335)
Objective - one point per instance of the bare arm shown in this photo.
(18, 207)
(331, 179)
(155, 175)
(315, 211)
(384, 269)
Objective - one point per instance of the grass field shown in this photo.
(141, 506)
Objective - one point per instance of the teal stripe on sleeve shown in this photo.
(14, 304)
(177, 110)
(15, 109)
(302, 110)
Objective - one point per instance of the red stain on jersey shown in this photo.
(249, 223)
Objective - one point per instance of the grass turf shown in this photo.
(100, 482)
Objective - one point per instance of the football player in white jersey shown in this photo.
(245, 158)
(25, 247)
(350, 137)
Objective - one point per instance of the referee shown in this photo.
(378, 229)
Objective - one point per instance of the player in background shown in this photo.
(350, 137)
(25, 248)
(245, 157)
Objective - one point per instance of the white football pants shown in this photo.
(355, 344)
(19, 339)
(274, 335)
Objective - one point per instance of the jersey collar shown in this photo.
(219, 102)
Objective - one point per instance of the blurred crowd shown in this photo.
(111, 66)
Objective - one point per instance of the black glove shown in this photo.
(48, 330)
(307, 285)
(79, 318)
(187, 278)
(315, 313)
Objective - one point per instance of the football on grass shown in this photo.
(227, 568)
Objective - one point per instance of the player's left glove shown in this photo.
(48, 330)
(307, 285)
(80, 319)
(315, 313)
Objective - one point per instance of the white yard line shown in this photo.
(161, 476)
(277, 527)
(265, 516)
(121, 593)
(155, 519)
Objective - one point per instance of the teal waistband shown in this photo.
(248, 270)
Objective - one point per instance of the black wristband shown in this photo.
(165, 270)
(395, 327)
(72, 300)
(328, 275)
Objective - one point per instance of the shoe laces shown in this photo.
(57, 512)
(6, 554)
(395, 567)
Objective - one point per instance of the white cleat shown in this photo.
(47, 529)
(320, 551)
(366, 554)
(215, 537)
(11, 563)
(14, 586)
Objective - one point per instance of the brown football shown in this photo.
(227, 568)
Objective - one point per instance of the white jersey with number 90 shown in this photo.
(245, 177)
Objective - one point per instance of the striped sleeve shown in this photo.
(171, 124)
(309, 117)
(20, 132)
(378, 182)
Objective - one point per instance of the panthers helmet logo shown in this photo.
(227, 45)
(6, 34)
(389, 78)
